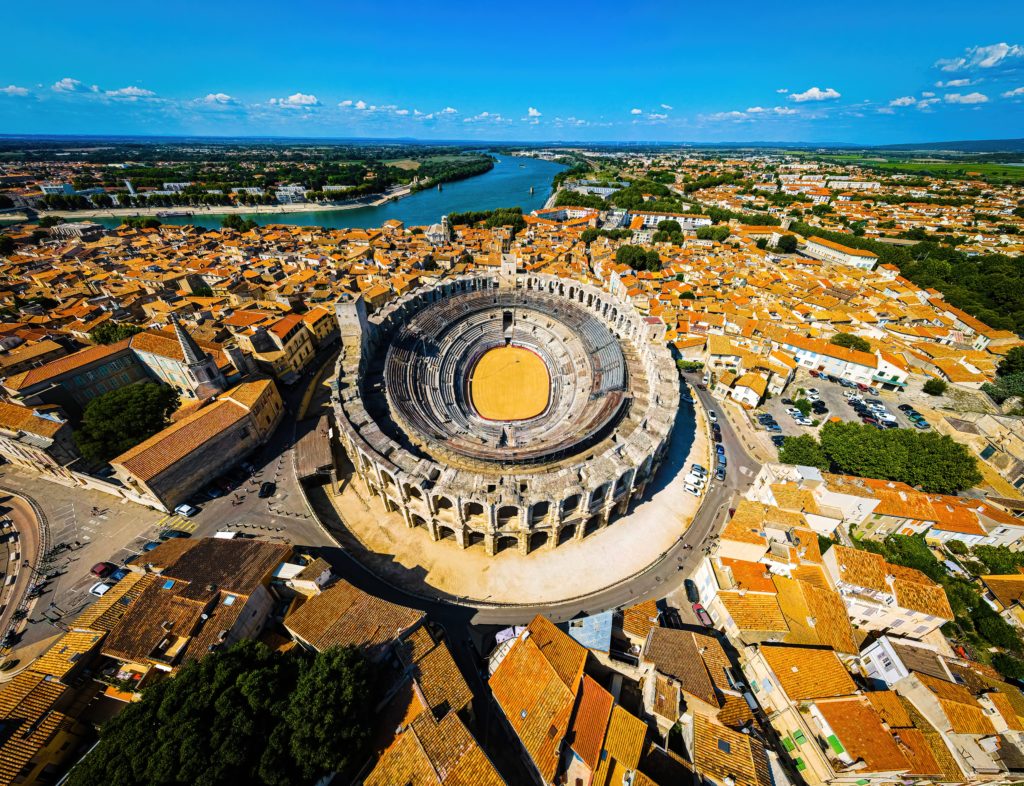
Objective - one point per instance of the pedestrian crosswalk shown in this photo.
(172, 521)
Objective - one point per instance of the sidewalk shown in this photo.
(753, 440)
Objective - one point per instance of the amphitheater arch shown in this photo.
(417, 520)
(570, 504)
(507, 514)
(445, 533)
(537, 539)
(540, 511)
(503, 542)
(474, 538)
(567, 533)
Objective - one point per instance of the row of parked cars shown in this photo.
(845, 383)
(109, 574)
(873, 412)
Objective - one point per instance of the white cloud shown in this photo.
(486, 117)
(636, 111)
(927, 102)
(221, 99)
(927, 94)
(755, 110)
(970, 98)
(68, 85)
(401, 112)
(449, 110)
(815, 94)
(532, 112)
(346, 102)
(903, 101)
(981, 57)
(657, 116)
(130, 92)
(782, 90)
(884, 110)
(954, 83)
(14, 90)
(734, 115)
(666, 107)
(296, 100)
(1017, 91)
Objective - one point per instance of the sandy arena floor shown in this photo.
(510, 383)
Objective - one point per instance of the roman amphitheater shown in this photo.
(504, 411)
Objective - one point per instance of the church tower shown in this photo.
(200, 366)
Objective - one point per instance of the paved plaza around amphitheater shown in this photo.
(409, 559)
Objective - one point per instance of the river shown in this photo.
(506, 185)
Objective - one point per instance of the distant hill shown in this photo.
(966, 146)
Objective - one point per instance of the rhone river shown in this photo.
(506, 185)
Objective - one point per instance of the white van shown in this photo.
(695, 480)
(225, 534)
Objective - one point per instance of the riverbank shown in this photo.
(224, 210)
(512, 182)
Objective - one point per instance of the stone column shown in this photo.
(489, 543)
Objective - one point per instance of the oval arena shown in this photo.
(505, 412)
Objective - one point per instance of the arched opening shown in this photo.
(567, 534)
(592, 524)
(444, 508)
(540, 511)
(538, 539)
(505, 542)
(507, 514)
(570, 504)
(598, 496)
(445, 533)
(474, 510)
(417, 520)
(412, 492)
(623, 483)
(474, 539)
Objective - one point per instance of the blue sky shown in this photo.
(861, 72)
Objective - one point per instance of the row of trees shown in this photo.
(244, 715)
(927, 460)
(499, 217)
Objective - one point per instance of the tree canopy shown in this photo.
(803, 450)
(934, 387)
(1012, 363)
(112, 332)
(851, 341)
(930, 461)
(638, 258)
(786, 244)
(246, 714)
(120, 419)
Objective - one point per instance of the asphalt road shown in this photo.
(25, 523)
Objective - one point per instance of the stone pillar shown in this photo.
(432, 529)
(524, 542)
(489, 543)
(580, 529)
(461, 537)
(552, 538)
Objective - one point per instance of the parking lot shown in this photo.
(831, 394)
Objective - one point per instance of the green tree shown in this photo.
(850, 341)
(957, 547)
(669, 225)
(999, 559)
(803, 450)
(638, 258)
(236, 222)
(116, 421)
(245, 714)
(1012, 363)
(930, 461)
(787, 244)
(328, 713)
(803, 405)
(935, 386)
(112, 332)
(1009, 666)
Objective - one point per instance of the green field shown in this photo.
(992, 173)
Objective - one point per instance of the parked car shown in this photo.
(692, 594)
(720, 473)
(186, 510)
(692, 489)
(695, 480)
(171, 534)
(868, 420)
(788, 402)
(712, 416)
(151, 545)
(815, 374)
(721, 461)
(921, 424)
(99, 589)
(773, 427)
(702, 616)
(905, 408)
(720, 449)
(778, 440)
(698, 468)
(717, 436)
(267, 489)
(118, 574)
(102, 569)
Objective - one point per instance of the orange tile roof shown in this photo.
(808, 673)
